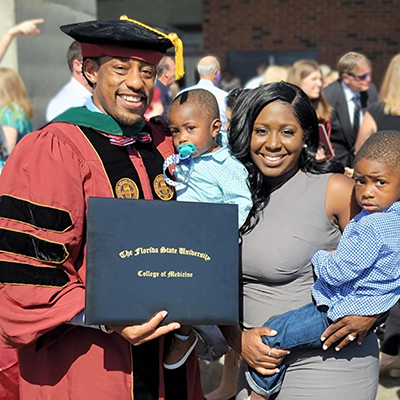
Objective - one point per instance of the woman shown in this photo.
(384, 115)
(306, 74)
(299, 208)
(16, 110)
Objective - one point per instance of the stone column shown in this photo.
(42, 61)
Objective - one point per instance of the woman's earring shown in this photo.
(304, 145)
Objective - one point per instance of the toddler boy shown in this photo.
(363, 276)
(212, 176)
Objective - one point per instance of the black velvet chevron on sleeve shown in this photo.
(37, 215)
(26, 274)
(28, 245)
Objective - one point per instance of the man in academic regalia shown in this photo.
(105, 149)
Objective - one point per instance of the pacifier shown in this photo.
(186, 150)
(183, 157)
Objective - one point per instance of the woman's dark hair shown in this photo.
(246, 112)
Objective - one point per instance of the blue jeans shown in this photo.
(303, 328)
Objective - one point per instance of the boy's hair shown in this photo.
(383, 146)
(200, 98)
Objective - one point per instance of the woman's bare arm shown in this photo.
(367, 128)
(341, 205)
(11, 135)
(27, 28)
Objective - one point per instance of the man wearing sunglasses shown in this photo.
(349, 96)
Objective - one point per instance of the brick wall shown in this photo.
(329, 27)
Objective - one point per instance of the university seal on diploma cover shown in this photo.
(147, 256)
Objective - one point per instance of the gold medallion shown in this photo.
(126, 189)
(163, 191)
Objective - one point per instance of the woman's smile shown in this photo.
(273, 161)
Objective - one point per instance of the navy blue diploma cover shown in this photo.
(144, 256)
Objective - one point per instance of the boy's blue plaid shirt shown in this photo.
(363, 276)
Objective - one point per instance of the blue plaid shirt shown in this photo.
(363, 276)
(215, 177)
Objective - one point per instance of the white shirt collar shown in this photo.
(79, 87)
(348, 93)
(206, 83)
(90, 105)
(218, 155)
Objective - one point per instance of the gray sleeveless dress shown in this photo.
(277, 276)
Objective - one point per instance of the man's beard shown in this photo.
(128, 120)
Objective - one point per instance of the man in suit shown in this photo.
(349, 96)
(165, 78)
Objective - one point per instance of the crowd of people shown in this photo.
(313, 164)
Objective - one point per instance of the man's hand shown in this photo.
(259, 356)
(348, 329)
(27, 28)
(138, 334)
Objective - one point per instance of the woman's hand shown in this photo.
(321, 154)
(349, 172)
(348, 329)
(259, 356)
(138, 334)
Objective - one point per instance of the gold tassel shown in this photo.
(173, 37)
